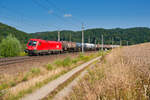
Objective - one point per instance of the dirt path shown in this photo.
(68, 89)
(47, 89)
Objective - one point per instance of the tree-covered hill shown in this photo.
(133, 35)
(5, 30)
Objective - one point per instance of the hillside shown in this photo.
(133, 35)
(6, 30)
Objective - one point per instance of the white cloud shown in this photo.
(50, 11)
(67, 15)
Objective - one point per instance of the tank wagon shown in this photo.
(89, 46)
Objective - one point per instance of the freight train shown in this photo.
(40, 47)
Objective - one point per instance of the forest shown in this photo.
(133, 35)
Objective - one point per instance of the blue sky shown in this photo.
(48, 15)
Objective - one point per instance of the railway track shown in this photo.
(12, 60)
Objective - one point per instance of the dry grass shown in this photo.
(124, 74)
(26, 82)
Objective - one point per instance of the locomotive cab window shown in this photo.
(34, 43)
(30, 43)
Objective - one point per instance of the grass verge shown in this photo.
(67, 64)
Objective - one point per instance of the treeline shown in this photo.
(133, 35)
(6, 30)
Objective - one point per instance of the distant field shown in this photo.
(124, 74)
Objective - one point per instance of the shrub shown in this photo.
(49, 67)
(66, 62)
(35, 71)
(12, 83)
(23, 54)
(81, 55)
(10, 47)
(86, 58)
(58, 63)
(74, 61)
(3, 86)
(25, 78)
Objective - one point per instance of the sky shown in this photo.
(48, 15)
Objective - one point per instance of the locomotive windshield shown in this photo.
(32, 43)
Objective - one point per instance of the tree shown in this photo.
(10, 47)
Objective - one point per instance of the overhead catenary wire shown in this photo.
(16, 26)
(54, 14)
(62, 10)
(26, 20)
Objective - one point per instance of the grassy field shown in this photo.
(13, 88)
(124, 74)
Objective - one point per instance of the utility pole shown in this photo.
(89, 40)
(102, 43)
(95, 43)
(58, 35)
(99, 43)
(70, 37)
(120, 42)
(82, 38)
(112, 42)
(127, 43)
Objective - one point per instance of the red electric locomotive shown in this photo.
(38, 46)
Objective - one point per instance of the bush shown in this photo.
(10, 47)
(66, 62)
(86, 58)
(35, 71)
(58, 63)
(3, 86)
(49, 67)
(25, 78)
(81, 55)
(23, 54)
(12, 83)
(74, 61)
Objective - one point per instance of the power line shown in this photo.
(14, 25)
(61, 10)
(23, 17)
(54, 14)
